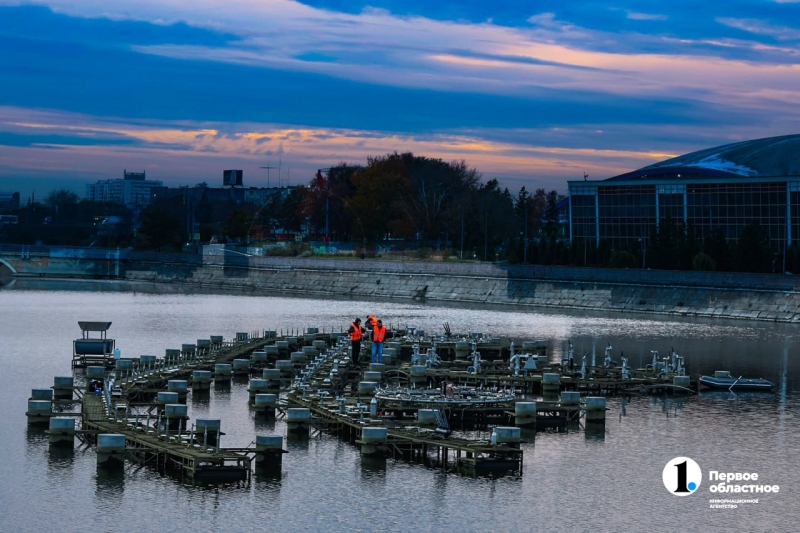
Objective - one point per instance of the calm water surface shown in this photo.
(571, 481)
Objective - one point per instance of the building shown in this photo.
(9, 201)
(134, 190)
(723, 188)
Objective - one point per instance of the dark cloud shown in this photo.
(113, 82)
(25, 139)
(42, 23)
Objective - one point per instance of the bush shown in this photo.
(423, 253)
(703, 262)
(290, 250)
(623, 259)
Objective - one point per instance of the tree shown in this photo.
(64, 204)
(237, 227)
(159, 229)
(753, 251)
(551, 215)
(718, 249)
(289, 214)
(703, 262)
(377, 204)
(623, 259)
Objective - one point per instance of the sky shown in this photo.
(531, 93)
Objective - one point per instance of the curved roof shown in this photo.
(772, 156)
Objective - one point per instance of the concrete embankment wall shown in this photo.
(747, 296)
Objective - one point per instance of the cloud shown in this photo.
(174, 152)
(199, 81)
(632, 15)
(762, 27)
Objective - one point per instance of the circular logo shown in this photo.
(682, 476)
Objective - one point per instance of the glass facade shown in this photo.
(624, 213)
(583, 213)
(627, 212)
(731, 206)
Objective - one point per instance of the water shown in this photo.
(571, 481)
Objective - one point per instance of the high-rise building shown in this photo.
(134, 190)
(9, 201)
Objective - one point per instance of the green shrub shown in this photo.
(623, 259)
(703, 262)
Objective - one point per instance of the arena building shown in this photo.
(725, 187)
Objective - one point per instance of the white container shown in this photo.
(257, 385)
(42, 394)
(367, 387)
(222, 370)
(681, 381)
(525, 409)
(163, 398)
(510, 435)
(107, 442)
(372, 376)
(269, 442)
(201, 375)
(178, 385)
(95, 372)
(570, 398)
(426, 417)
(271, 374)
(210, 424)
(298, 414)
(176, 410)
(374, 435)
(266, 401)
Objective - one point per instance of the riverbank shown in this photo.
(768, 297)
(706, 294)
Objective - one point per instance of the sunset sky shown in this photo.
(532, 93)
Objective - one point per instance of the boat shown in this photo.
(458, 397)
(722, 380)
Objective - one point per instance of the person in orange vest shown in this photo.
(356, 332)
(371, 321)
(378, 336)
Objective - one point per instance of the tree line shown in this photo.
(424, 202)
(398, 201)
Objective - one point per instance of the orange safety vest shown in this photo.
(356, 334)
(372, 321)
(378, 334)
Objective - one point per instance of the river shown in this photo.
(571, 481)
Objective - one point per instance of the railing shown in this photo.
(26, 251)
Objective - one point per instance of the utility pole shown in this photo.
(267, 169)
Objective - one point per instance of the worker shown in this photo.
(356, 332)
(378, 335)
(371, 322)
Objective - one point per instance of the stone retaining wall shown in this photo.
(745, 296)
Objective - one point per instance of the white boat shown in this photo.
(722, 380)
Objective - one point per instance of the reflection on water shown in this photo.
(373, 469)
(608, 476)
